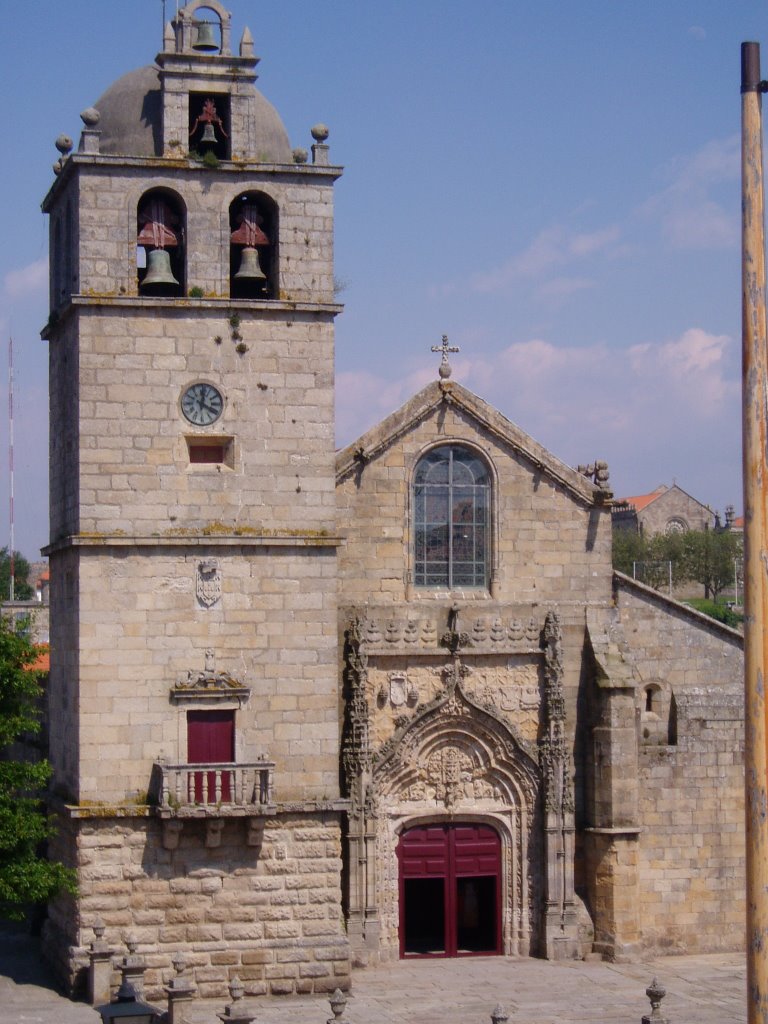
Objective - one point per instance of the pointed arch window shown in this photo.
(451, 501)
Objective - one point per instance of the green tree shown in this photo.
(709, 558)
(26, 877)
(22, 591)
(629, 547)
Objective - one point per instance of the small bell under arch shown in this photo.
(205, 40)
(159, 270)
(208, 136)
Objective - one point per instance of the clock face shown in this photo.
(202, 404)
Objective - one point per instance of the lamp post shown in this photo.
(128, 1009)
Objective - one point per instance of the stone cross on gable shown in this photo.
(445, 367)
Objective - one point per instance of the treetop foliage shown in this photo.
(26, 877)
(22, 590)
(700, 556)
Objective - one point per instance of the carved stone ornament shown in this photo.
(447, 772)
(398, 688)
(208, 684)
(208, 582)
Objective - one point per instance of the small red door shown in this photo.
(211, 740)
(450, 884)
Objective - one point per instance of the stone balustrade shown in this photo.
(185, 788)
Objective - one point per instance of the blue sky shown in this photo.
(555, 186)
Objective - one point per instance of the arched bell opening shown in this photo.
(253, 247)
(206, 31)
(160, 244)
(209, 125)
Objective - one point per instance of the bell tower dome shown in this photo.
(193, 687)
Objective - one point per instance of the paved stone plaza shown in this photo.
(704, 989)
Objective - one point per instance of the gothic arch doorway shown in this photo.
(450, 890)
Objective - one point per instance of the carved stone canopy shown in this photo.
(208, 684)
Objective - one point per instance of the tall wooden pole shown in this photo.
(755, 466)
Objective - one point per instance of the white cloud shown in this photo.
(553, 247)
(561, 287)
(697, 32)
(688, 210)
(27, 280)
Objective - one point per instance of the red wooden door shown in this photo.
(450, 890)
(211, 740)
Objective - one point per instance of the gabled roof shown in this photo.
(381, 437)
(641, 501)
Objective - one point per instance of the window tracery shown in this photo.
(451, 503)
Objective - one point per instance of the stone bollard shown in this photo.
(338, 1003)
(179, 991)
(236, 1013)
(100, 966)
(655, 993)
(133, 966)
(499, 1015)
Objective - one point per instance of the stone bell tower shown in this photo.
(193, 687)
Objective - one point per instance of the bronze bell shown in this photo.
(205, 41)
(209, 135)
(250, 269)
(159, 269)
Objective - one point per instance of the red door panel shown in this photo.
(450, 884)
(211, 740)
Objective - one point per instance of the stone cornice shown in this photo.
(164, 164)
(197, 539)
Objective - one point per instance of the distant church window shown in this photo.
(160, 244)
(676, 525)
(253, 247)
(451, 497)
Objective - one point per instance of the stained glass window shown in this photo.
(451, 496)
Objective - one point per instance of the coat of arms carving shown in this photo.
(208, 582)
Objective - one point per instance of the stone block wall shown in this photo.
(141, 628)
(691, 774)
(269, 914)
(691, 856)
(134, 470)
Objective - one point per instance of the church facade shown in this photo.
(314, 709)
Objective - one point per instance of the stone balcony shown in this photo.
(214, 790)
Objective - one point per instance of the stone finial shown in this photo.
(169, 38)
(655, 993)
(338, 1003)
(179, 991)
(236, 1013)
(499, 1015)
(100, 966)
(445, 370)
(89, 138)
(300, 155)
(64, 144)
(320, 148)
(246, 43)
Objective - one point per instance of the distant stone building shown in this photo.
(309, 708)
(663, 510)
